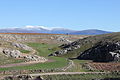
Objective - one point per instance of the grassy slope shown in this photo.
(91, 41)
(43, 51)
(7, 60)
(78, 66)
(48, 65)
(86, 44)
(24, 51)
(43, 48)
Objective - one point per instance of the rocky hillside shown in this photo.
(39, 37)
(102, 52)
(94, 48)
(14, 47)
(15, 51)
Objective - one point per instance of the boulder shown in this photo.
(63, 39)
(12, 53)
(35, 58)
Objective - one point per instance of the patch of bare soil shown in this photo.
(112, 66)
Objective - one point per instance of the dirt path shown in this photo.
(62, 73)
(70, 64)
(22, 64)
(18, 64)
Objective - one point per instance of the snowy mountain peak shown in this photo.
(38, 27)
(51, 30)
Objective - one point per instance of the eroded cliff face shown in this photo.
(103, 52)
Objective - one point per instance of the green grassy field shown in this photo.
(8, 60)
(89, 42)
(78, 66)
(24, 51)
(60, 62)
(43, 50)
(57, 62)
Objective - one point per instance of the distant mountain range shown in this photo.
(53, 31)
(90, 32)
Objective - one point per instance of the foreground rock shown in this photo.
(103, 52)
(60, 77)
(12, 53)
(23, 77)
(17, 54)
(35, 58)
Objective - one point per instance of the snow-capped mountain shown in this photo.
(52, 30)
(37, 29)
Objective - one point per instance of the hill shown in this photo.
(101, 47)
(36, 30)
(90, 32)
(53, 31)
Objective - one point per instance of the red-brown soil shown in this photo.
(112, 66)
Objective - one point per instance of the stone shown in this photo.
(35, 58)
(12, 53)
(63, 39)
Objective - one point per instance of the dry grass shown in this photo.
(112, 66)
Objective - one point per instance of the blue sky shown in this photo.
(72, 14)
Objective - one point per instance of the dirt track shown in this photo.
(62, 73)
(22, 64)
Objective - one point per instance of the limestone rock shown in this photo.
(66, 48)
(35, 58)
(63, 39)
(12, 53)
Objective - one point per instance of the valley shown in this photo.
(23, 54)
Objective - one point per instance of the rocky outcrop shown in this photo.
(22, 46)
(81, 45)
(46, 38)
(12, 53)
(66, 48)
(63, 39)
(23, 77)
(35, 58)
(17, 54)
(103, 52)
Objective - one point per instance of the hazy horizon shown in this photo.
(48, 28)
